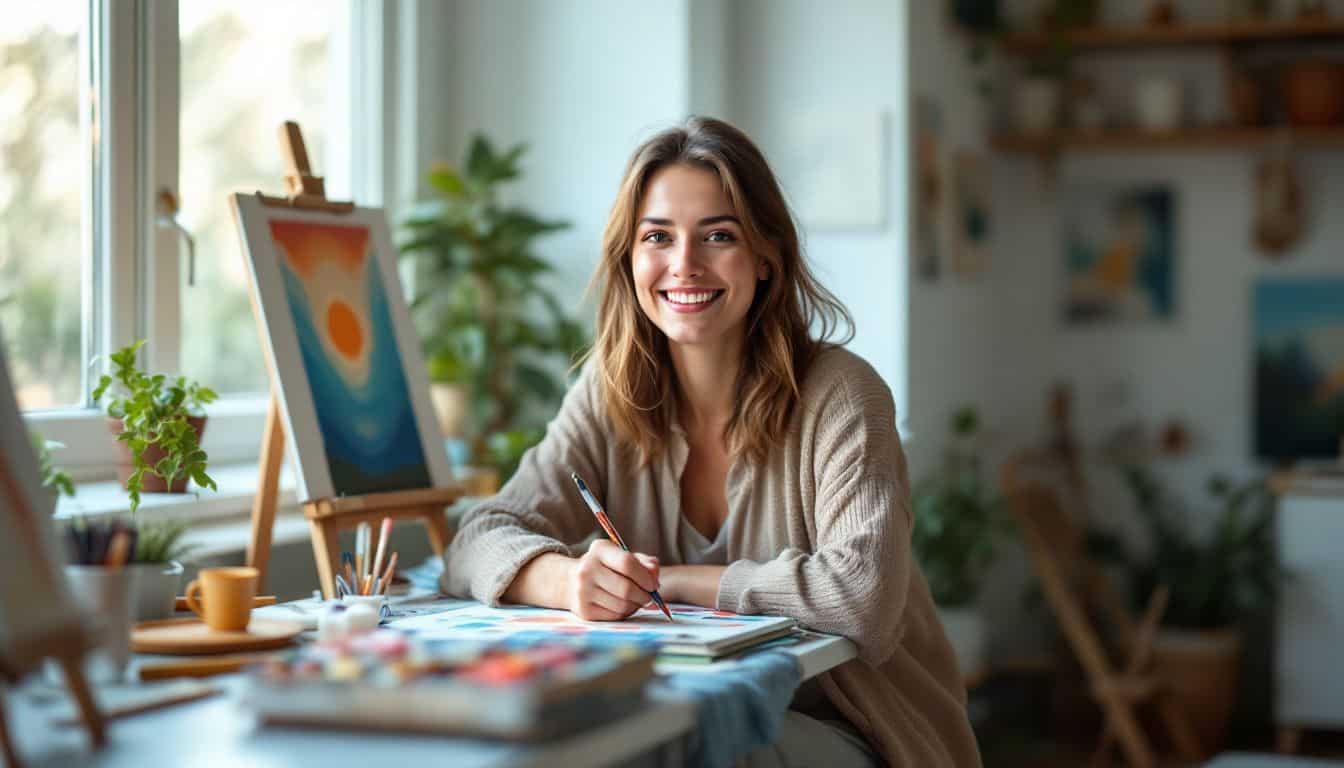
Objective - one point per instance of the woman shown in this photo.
(749, 465)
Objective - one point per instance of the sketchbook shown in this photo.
(697, 631)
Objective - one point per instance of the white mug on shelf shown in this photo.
(1158, 103)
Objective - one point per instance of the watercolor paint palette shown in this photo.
(697, 631)
(391, 680)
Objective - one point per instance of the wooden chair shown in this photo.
(1072, 583)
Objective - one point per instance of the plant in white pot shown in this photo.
(156, 568)
(1216, 583)
(958, 520)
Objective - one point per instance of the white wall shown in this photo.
(581, 81)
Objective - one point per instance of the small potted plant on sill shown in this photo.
(158, 422)
(55, 481)
(957, 522)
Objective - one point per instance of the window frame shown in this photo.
(131, 282)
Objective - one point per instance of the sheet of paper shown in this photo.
(693, 626)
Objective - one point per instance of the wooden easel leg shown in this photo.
(1134, 745)
(439, 534)
(79, 688)
(268, 487)
(1289, 740)
(326, 548)
(7, 749)
(1180, 729)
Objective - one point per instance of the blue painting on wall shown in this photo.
(1299, 368)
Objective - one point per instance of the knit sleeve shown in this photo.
(855, 581)
(539, 509)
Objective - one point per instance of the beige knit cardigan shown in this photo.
(819, 532)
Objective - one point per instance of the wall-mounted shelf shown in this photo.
(1188, 138)
(1153, 35)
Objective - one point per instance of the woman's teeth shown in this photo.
(685, 297)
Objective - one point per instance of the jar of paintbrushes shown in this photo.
(101, 585)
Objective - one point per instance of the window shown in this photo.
(45, 187)
(227, 134)
(104, 104)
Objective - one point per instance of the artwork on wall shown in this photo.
(928, 186)
(1120, 254)
(832, 167)
(1299, 368)
(345, 363)
(970, 194)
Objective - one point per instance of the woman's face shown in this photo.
(694, 274)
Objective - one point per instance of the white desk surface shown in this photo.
(216, 732)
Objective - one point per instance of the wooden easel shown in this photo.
(67, 646)
(326, 517)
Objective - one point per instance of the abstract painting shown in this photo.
(1120, 254)
(351, 379)
(1299, 368)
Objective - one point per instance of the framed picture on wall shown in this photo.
(345, 363)
(1119, 244)
(1299, 368)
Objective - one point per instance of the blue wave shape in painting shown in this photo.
(369, 433)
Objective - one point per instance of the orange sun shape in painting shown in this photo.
(330, 263)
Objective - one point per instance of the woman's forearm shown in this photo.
(694, 584)
(541, 582)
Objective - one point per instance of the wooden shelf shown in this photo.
(1220, 33)
(1189, 138)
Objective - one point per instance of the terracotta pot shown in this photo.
(150, 482)
(1200, 669)
(1313, 93)
(1245, 100)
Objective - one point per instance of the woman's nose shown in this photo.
(685, 261)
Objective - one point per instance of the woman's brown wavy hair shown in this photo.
(631, 355)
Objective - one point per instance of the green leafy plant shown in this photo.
(487, 320)
(155, 411)
(958, 518)
(161, 542)
(1217, 581)
(53, 477)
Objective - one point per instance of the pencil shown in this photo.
(386, 580)
(383, 532)
(605, 522)
(118, 550)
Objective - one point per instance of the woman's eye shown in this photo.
(655, 237)
(721, 236)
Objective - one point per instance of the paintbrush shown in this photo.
(605, 522)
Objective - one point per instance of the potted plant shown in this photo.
(55, 481)
(488, 322)
(1216, 583)
(158, 422)
(156, 568)
(957, 522)
(1039, 98)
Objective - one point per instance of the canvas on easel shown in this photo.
(349, 393)
(348, 372)
(38, 616)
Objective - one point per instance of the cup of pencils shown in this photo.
(100, 584)
(369, 571)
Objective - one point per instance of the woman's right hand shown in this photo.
(608, 584)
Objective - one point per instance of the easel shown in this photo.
(66, 643)
(326, 517)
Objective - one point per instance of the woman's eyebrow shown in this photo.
(703, 222)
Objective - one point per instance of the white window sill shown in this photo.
(220, 520)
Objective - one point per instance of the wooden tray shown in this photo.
(191, 636)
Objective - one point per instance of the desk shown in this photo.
(216, 732)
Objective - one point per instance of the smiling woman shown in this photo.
(754, 463)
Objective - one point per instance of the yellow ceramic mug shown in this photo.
(223, 597)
